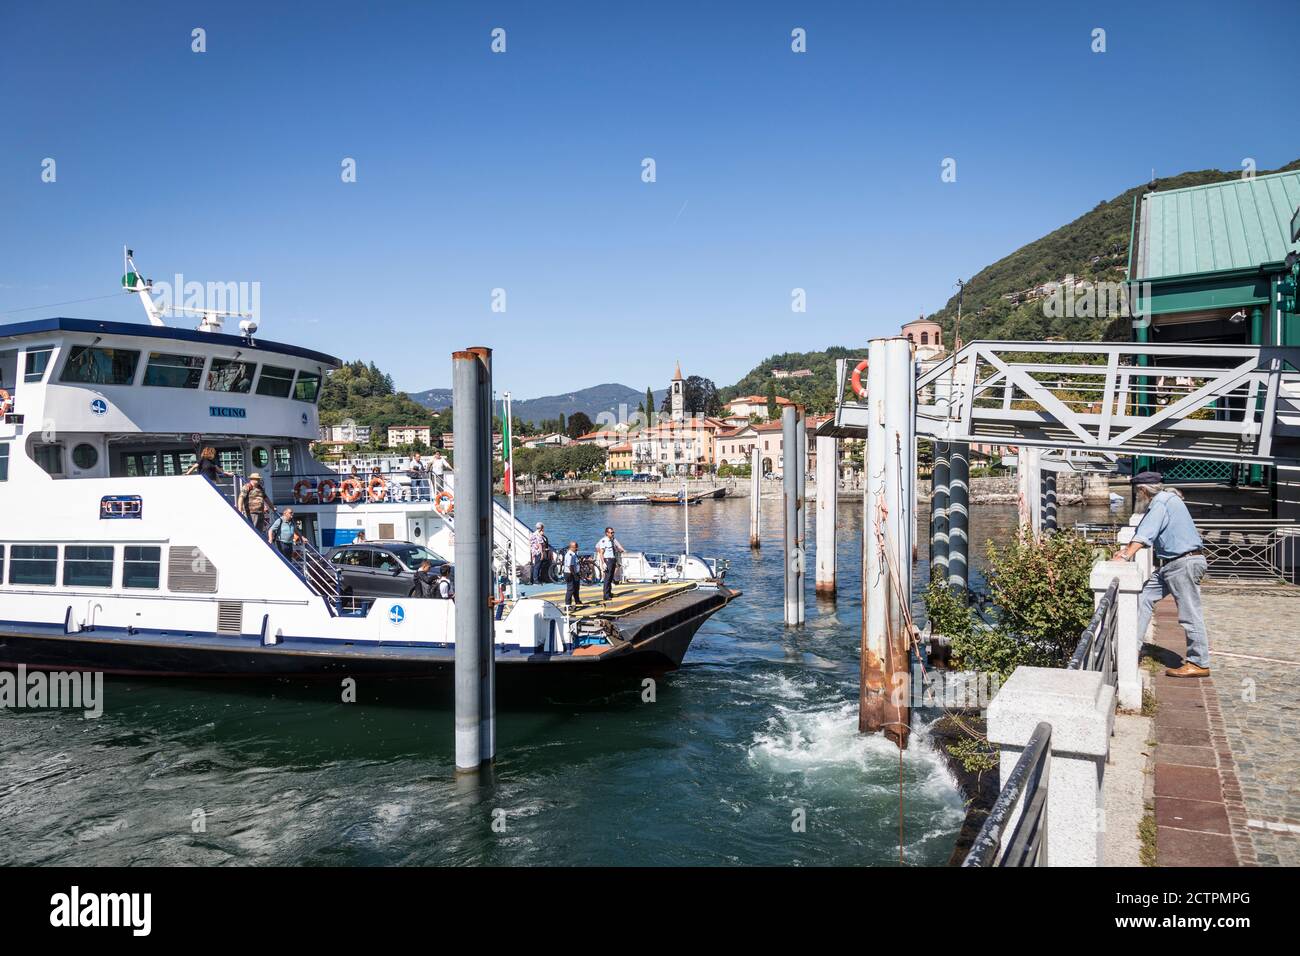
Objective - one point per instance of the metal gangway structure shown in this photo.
(1065, 406)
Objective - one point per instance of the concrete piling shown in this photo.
(475, 666)
(939, 513)
(790, 510)
(801, 504)
(959, 516)
(827, 512)
(1049, 502)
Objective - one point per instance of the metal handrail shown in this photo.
(1027, 785)
(1096, 650)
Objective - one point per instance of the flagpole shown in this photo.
(509, 452)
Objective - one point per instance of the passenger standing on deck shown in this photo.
(607, 551)
(282, 533)
(539, 546)
(426, 582)
(438, 468)
(207, 466)
(445, 590)
(1167, 528)
(418, 475)
(253, 503)
(572, 576)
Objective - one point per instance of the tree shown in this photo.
(579, 424)
(771, 401)
(649, 405)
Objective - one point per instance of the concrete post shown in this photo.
(1128, 642)
(939, 513)
(475, 665)
(958, 516)
(801, 504)
(1029, 473)
(790, 508)
(755, 496)
(1049, 502)
(828, 450)
(1080, 706)
(871, 699)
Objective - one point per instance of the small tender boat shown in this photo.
(628, 500)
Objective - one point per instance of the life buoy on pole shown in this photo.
(350, 488)
(377, 489)
(855, 380)
(304, 492)
(6, 402)
(444, 502)
(327, 491)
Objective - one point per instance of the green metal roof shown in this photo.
(1237, 224)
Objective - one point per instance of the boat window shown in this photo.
(33, 564)
(85, 456)
(95, 366)
(229, 375)
(283, 459)
(261, 457)
(88, 565)
(231, 460)
(275, 382)
(307, 386)
(140, 567)
(174, 371)
(50, 458)
(138, 465)
(38, 360)
(4, 461)
(2, 563)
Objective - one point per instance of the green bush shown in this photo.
(947, 611)
(1042, 591)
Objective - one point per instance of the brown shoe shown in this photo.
(1188, 670)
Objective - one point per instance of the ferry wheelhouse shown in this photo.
(113, 559)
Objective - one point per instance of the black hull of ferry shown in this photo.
(655, 648)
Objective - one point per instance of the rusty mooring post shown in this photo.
(888, 529)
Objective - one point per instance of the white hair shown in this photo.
(1153, 490)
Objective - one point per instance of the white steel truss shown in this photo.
(1093, 400)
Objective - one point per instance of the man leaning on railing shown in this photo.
(1168, 529)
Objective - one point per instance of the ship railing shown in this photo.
(304, 489)
(1026, 790)
(316, 570)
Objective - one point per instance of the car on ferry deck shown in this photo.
(381, 568)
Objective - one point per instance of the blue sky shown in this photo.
(522, 170)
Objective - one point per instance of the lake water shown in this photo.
(756, 731)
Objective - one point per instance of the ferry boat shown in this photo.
(113, 559)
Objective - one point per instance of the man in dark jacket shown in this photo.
(425, 584)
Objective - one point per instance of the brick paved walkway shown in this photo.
(1227, 774)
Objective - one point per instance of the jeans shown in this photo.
(285, 548)
(1182, 579)
(539, 566)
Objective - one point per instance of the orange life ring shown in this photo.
(351, 490)
(6, 402)
(855, 380)
(444, 502)
(378, 488)
(304, 492)
(327, 491)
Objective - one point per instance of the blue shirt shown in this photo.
(283, 530)
(1168, 527)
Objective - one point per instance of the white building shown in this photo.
(409, 435)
